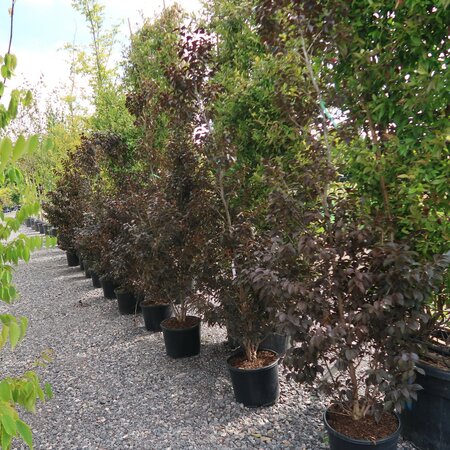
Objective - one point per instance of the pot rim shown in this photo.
(332, 431)
(154, 305)
(164, 328)
(121, 290)
(259, 369)
(434, 371)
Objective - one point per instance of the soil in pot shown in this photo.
(154, 314)
(108, 288)
(347, 434)
(255, 383)
(72, 259)
(127, 301)
(182, 339)
(95, 279)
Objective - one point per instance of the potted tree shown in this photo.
(174, 252)
(178, 221)
(425, 422)
(64, 210)
(353, 314)
(155, 304)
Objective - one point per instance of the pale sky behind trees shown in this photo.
(42, 27)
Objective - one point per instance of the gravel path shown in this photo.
(114, 387)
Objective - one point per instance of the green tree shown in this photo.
(26, 389)
(109, 99)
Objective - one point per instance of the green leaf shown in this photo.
(19, 148)
(25, 432)
(10, 61)
(8, 423)
(28, 99)
(32, 144)
(23, 326)
(14, 334)
(26, 254)
(5, 391)
(6, 149)
(48, 390)
(5, 440)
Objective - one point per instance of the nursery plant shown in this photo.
(19, 392)
(354, 315)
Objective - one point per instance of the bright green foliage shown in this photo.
(392, 77)
(24, 390)
(109, 99)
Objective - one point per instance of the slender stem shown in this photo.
(11, 28)
(354, 382)
(324, 119)
(383, 187)
(11, 32)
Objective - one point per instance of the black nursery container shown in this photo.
(182, 343)
(339, 441)
(42, 227)
(108, 288)
(36, 225)
(154, 315)
(28, 222)
(278, 343)
(54, 232)
(87, 268)
(255, 387)
(127, 302)
(72, 259)
(427, 422)
(95, 279)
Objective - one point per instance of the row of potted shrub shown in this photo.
(41, 226)
(237, 198)
(305, 360)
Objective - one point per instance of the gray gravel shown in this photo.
(114, 387)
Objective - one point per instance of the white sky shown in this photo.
(42, 27)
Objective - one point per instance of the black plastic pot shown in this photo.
(255, 387)
(28, 222)
(95, 279)
(108, 288)
(41, 227)
(278, 343)
(339, 441)
(72, 259)
(127, 301)
(154, 315)
(181, 343)
(32, 220)
(54, 232)
(426, 423)
(47, 228)
(36, 225)
(87, 268)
